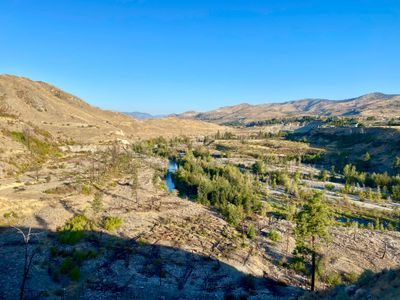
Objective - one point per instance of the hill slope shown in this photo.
(374, 104)
(66, 116)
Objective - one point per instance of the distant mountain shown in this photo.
(374, 104)
(143, 116)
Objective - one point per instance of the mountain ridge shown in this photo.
(372, 104)
(65, 116)
(143, 115)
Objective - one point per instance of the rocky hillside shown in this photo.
(374, 104)
(65, 116)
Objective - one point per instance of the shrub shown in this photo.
(391, 227)
(251, 233)
(274, 236)
(351, 277)
(75, 274)
(72, 232)
(297, 264)
(70, 238)
(66, 265)
(334, 279)
(76, 223)
(38, 147)
(282, 262)
(9, 215)
(59, 190)
(164, 187)
(82, 255)
(86, 190)
(329, 186)
(53, 251)
(111, 223)
(233, 214)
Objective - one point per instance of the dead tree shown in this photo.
(114, 154)
(135, 182)
(384, 252)
(28, 259)
(92, 171)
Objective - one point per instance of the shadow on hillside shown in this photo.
(349, 144)
(103, 266)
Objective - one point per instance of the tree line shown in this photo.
(225, 187)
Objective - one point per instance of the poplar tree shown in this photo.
(312, 223)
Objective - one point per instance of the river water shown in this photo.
(172, 167)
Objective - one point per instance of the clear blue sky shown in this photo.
(172, 56)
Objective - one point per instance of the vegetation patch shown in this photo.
(73, 231)
(232, 192)
(111, 223)
(274, 236)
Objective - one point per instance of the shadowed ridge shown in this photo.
(382, 285)
(112, 267)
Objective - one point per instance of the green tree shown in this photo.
(290, 211)
(333, 172)
(349, 172)
(366, 157)
(312, 224)
(324, 175)
(396, 163)
(370, 194)
(297, 176)
(251, 232)
(258, 167)
(273, 183)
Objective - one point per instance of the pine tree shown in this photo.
(324, 175)
(333, 172)
(312, 224)
(370, 194)
(396, 163)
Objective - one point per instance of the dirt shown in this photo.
(196, 246)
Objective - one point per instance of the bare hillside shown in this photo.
(68, 117)
(374, 104)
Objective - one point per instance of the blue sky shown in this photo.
(173, 56)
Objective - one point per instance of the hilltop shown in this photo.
(65, 116)
(373, 104)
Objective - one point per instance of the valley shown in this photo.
(98, 205)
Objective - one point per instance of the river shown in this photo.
(172, 167)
